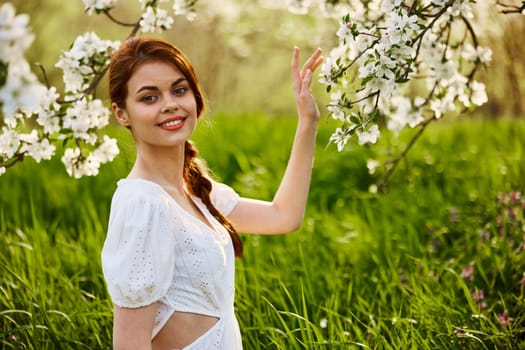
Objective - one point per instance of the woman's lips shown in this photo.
(172, 123)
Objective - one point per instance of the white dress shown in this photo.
(155, 251)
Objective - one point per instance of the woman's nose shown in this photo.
(170, 106)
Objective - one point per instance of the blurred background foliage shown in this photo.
(242, 51)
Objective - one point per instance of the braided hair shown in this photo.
(200, 186)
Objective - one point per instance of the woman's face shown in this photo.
(161, 109)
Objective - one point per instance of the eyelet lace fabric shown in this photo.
(155, 251)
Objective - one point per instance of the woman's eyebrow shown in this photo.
(155, 88)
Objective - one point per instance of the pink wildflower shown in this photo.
(515, 197)
(485, 236)
(504, 318)
(478, 295)
(468, 273)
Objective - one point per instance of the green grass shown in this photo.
(365, 271)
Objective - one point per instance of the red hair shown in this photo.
(136, 51)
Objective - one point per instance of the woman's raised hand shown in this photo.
(285, 212)
(302, 79)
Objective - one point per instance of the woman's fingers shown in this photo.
(314, 61)
(311, 65)
(296, 76)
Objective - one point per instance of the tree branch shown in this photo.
(392, 163)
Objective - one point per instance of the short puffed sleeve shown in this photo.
(223, 197)
(138, 253)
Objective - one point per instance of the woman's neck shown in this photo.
(164, 167)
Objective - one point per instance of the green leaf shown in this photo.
(3, 73)
(366, 79)
(373, 116)
(355, 119)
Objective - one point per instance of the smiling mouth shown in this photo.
(172, 123)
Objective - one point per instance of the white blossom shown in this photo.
(48, 99)
(71, 160)
(384, 86)
(479, 95)
(372, 166)
(49, 121)
(442, 105)
(390, 5)
(42, 150)
(12, 120)
(344, 33)
(335, 106)
(15, 35)
(445, 71)
(364, 42)
(415, 117)
(326, 77)
(184, 8)
(481, 54)
(431, 51)
(107, 151)
(31, 137)
(78, 63)
(461, 8)
(9, 142)
(399, 117)
(21, 91)
(336, 112)
(155, 20)
(368, 136)
(340, 137)
(85, 116)
(36, 148)
(98, 5)
(401, 28)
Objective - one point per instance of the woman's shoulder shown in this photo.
(137, 256)
(138, 193)
(223, 196)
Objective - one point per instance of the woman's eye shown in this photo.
(148, 98)
(179, 90)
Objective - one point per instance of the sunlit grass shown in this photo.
(437, 262)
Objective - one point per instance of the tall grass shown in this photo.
(437, 262)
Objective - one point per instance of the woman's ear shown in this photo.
(120, 114)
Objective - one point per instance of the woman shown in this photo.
(168, 258)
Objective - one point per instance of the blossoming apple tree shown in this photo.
(398, 64)
(37, 118)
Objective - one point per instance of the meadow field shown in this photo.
(435, 262)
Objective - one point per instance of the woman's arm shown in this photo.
(132, 328)
(285, 212)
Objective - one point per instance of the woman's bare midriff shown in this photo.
(182, 329)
